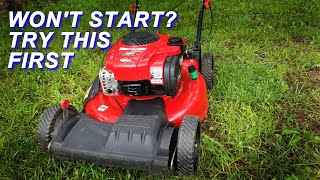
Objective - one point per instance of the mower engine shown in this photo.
(143, 64)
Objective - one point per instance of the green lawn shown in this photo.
(264, 117)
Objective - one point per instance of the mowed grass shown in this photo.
(264, 116)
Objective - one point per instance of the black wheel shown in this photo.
(47, 123)
(188, 145)
(207, 69)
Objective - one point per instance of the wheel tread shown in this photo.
(207, 69)
(185, 146)
(46, 125)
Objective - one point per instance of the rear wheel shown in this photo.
(207, 69)
(47, 123)
(188, 145)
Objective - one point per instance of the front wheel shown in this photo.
(49, 119)
(188, 145)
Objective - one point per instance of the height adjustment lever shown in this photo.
(65, 104)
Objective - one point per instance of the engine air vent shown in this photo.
(140, 38)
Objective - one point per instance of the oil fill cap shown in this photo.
(175, 41)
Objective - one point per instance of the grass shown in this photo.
(264, 115)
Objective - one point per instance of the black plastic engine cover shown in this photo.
(140, 38)
(140, 138)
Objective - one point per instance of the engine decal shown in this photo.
(130, 51)
(125, 60)
(102, 108)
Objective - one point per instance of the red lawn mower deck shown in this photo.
(142, 112)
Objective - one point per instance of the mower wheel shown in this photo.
(47, 123)
(188, 145)
(207, 69)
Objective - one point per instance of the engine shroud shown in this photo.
(139, 57)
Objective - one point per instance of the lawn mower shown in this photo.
(144, 109)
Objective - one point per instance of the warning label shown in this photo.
(156, 75)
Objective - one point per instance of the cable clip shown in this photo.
(133, 8)
(207, 4)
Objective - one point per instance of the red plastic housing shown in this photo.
(133, 63)
(191, 98)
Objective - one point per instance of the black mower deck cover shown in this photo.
(140, 139)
